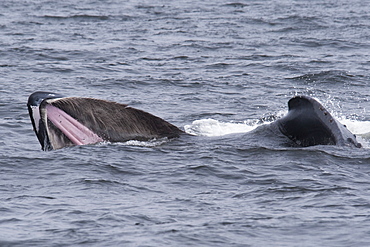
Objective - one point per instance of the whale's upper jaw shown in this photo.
(36, 98)
(308, 123)
(39, 126)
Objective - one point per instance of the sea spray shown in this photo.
(212, 127)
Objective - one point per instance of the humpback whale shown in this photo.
(60, 122)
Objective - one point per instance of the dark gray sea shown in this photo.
(217, 69)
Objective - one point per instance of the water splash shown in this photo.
(149, 143)
(212, 127)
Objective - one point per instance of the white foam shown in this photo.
(149, 143)
(212, 127)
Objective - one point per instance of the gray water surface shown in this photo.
(232, 62)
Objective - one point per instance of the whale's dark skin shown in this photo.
(60, 122)
(308, 123)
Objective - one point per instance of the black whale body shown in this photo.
(308, 123)
(60, 122)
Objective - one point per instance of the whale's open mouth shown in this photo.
(68, 121)
(78, 133)
(54, 127)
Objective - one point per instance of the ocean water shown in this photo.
(217, 69)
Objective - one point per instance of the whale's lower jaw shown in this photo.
(62, 122)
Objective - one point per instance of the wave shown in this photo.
(80, 16)
(329, 76)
